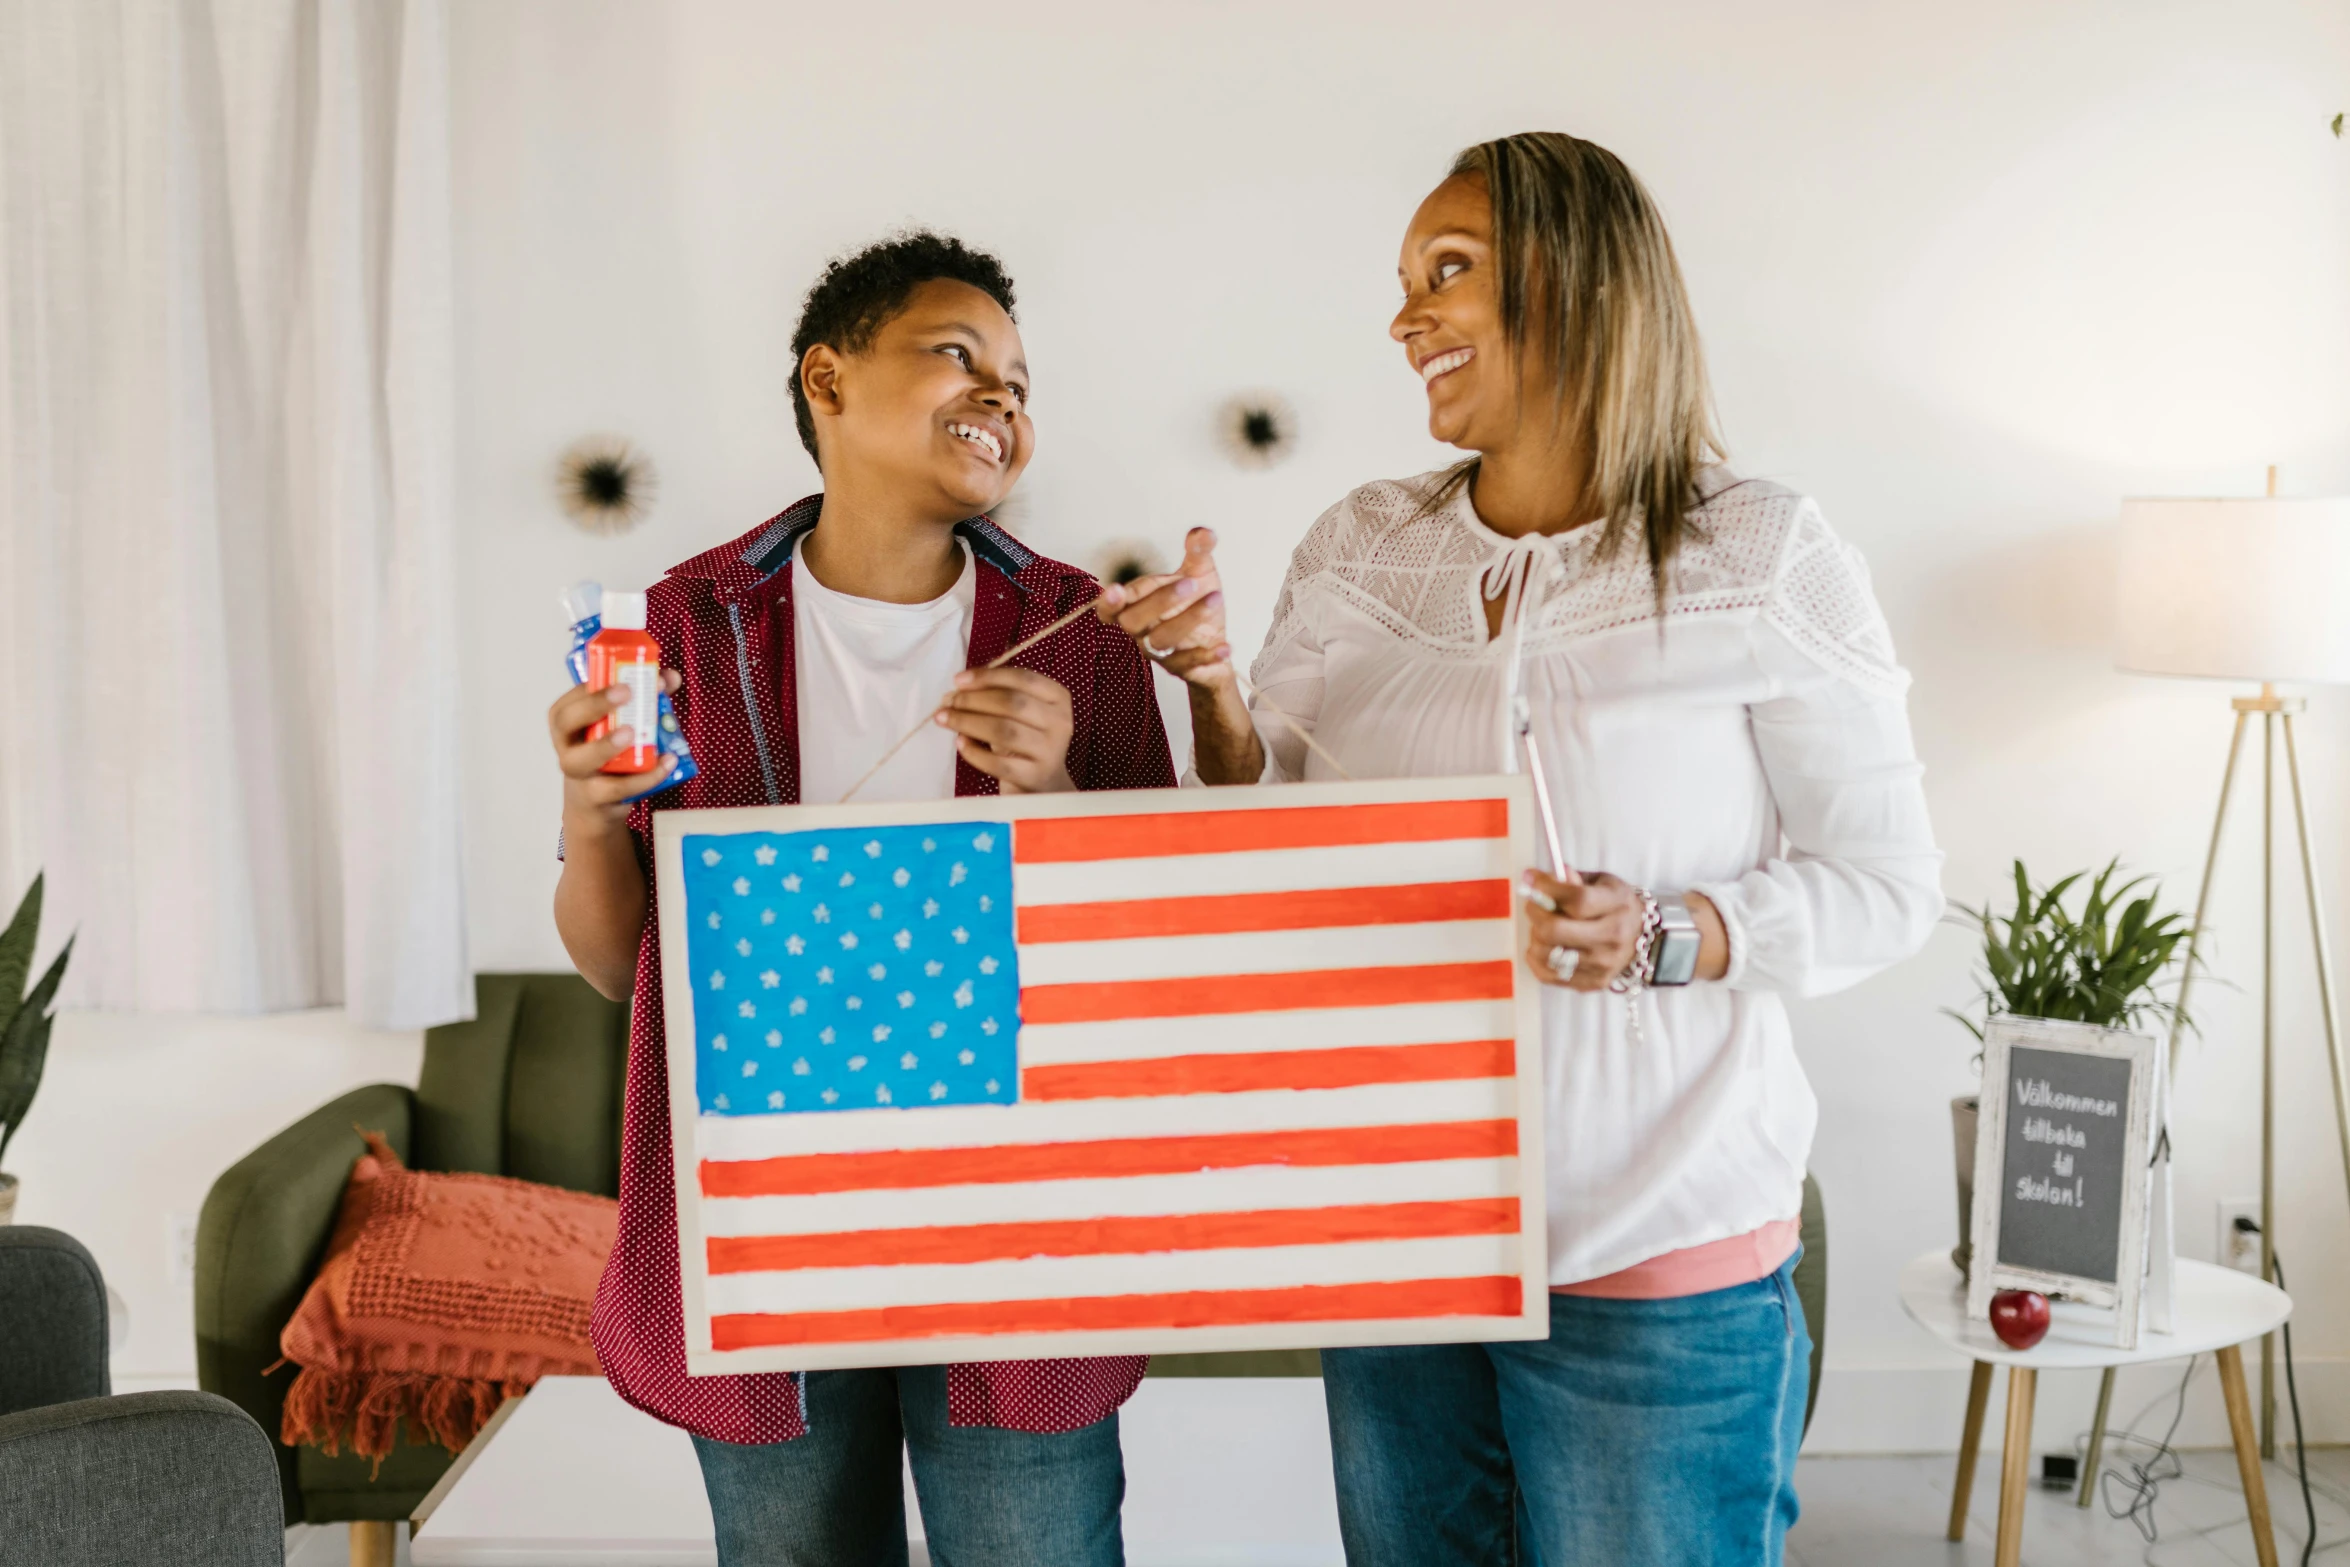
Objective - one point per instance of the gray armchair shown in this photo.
(171, 1479)
(91, 1481)
(53, 1301)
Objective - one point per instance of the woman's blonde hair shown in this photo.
(1590, 289)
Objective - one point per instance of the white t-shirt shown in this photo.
(867, 672)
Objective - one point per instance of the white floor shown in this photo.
(1890, 1512)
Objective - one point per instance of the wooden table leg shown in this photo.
(2231, 1385)
(2096, 1455)
(2015, 1466)
(374, 1543)
(1970, 1442)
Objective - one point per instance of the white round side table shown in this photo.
(2213, 1310)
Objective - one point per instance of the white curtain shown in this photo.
(228, 678)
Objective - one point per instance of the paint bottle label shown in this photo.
(622, 654)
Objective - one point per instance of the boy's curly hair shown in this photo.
(856, 296)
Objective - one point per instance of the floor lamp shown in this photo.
(2246, 590)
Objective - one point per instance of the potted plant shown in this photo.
(24, 1028)
(2100, 967)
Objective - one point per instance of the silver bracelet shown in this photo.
(1634, 978)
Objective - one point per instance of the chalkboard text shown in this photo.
(2035, 1094)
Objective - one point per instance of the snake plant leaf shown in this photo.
(2101, 965)
(16, 951)
(24, 1050)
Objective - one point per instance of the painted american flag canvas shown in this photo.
(1102, 1073)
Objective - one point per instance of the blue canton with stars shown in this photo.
(849, 968)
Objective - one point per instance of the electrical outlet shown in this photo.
(179, 1249)
(2239, 1247)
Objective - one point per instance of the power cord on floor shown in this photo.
(2142, 1483)
(2293, 1393)
(2144, 1480)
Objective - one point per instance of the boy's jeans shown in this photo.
(1641, 1433)
(990, 1498)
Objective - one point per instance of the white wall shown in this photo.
(1968, 274)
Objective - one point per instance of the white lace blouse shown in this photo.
(1754, 746)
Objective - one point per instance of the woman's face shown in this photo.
(1450, 323)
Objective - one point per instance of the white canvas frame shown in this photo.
(703, 1359)
(2125, 1294)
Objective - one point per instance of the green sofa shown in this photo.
(530, 1088)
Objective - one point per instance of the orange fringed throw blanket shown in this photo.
(441, 1297)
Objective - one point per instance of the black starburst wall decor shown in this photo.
(1123, 560)
(1257, 429)
(605, 484)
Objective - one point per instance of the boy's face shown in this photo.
(936, 406)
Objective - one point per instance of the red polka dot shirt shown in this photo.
(724, 621)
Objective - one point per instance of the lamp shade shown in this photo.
(2235, 589)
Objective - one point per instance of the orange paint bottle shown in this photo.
(623, 653)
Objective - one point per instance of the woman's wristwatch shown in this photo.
(1672, 950)
(1665, 952)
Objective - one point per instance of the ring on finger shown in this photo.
(1156, 652)
(1562, 961)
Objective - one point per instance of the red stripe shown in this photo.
(796, 1175)
(1323, 908)
(949, 1243)
(1050, 840)
(1105, 1001)
(1498, 1296)
(1348, 1066)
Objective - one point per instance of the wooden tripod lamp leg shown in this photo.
(2231, 1386)
(1970, 1442)
(2015, 1466)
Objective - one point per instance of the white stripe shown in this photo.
(1262, 870)
(1027, 1202)
(1152, 1038)
(1085, 1120)
(1065, 1278)
(1266, 952)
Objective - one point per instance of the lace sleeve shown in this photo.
(1311, 558)
(1822, 602)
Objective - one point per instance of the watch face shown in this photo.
(1676, 957)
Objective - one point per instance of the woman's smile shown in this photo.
(1445, 363)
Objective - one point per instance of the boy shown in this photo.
(799, 654)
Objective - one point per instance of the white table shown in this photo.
(1229, 1471)
(2215, 1310)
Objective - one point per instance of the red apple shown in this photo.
(2019, 1317)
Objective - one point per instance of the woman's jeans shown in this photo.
(990, 1498)
(1641, 1433)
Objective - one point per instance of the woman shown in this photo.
(1721, 721)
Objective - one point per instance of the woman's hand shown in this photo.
(1177, 619)
(595, 801)
(1597, 917)
(1014, 725)
(1177, 622)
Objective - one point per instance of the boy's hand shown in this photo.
(1014, 725)
(1177, 620)
(592, 798)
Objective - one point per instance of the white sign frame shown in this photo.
(703, 1358)
(2145, 1175)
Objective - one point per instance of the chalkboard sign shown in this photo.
(2066, 1150)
